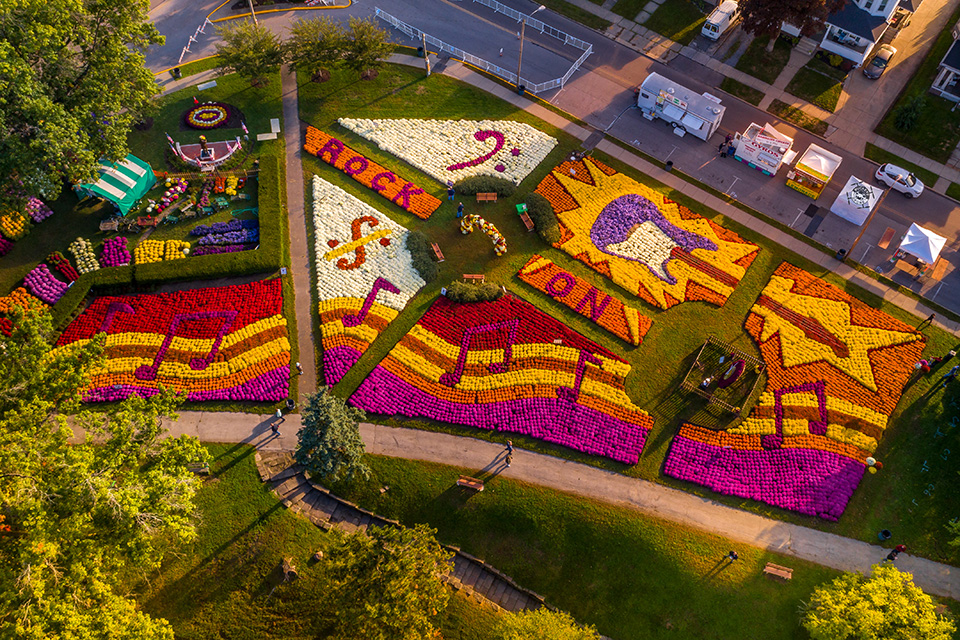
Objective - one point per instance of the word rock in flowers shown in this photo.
(584, 298)
(365, 275)
(836, 369)
(471, 221)
(646, 243)
(402, 193)
(504, 365)
(225, 343)
(457, 149)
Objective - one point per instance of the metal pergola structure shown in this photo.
(698, 365)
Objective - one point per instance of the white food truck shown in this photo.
(688, 112)
(720, 19)
(763, 148)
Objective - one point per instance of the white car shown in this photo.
(900, 180)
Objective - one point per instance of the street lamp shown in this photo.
(866, 224)
(523, 26)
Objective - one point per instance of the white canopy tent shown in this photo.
(856, 200)
(922, 243)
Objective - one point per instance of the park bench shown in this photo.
(776, 570)
(486, 197)
(109, 225)
(474, 277)
(470, 483)
(437, 252)
(527, 221)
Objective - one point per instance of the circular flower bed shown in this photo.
(209, 115)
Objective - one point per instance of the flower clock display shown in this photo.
(41, 283)
(208, 115)
(224, 343)
(503, 365)
(836, 369)
(18, 298)
(646, 243)
(115, 252)
(472, 221)
(365, 275)
(456, 149)
(402, 193)
(84, 256)
(574, 292)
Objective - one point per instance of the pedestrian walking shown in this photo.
(450, 193)
(509, 459)
(275, 427)
(299, 369)
(460, 210)
(731, 556)
(509, 447)
(950, 376)
(279, 415)
(928, 321)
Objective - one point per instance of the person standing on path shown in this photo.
(509, 447)
(275, 427)
(450, 192)
(509, 459)
(460, 210)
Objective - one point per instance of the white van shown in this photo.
(720, 19)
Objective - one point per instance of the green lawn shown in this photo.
(875, 153)
(742, 91)
(629, 8)
(577, 14)
(198, 66)
(679, 20)
(953, 191)
(937, 130)
(819, 84)
(762, 65)
(798, 117)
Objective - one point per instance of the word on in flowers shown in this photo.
(646, 243)
(115, 252)
(584, 298)
(365, 275)
(506, 366)
(225, 343)
(402, 193)
(472, 221)
(457, 149)
(836, 369)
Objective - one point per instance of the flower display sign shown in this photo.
(646, 243)
(402, 193)
(576, 293)
(209, 115)
(836, 369)
(504, 365)
(457, 149)
(224, 343)
(365, 275)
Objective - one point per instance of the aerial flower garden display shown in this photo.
(836, 369)
(84, 256)
(402, 193)
(224, 343)
(646, 243)
(457, 149)
(472, 221)
(17, 298)
(115, 252)
(44, 285)
(209, 115)
(365, 275)
(574, 292)
(504, 365)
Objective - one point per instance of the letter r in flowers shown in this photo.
(334, 147)
(453, 378)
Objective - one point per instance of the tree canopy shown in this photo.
(250, 50)
(72, 84)
(329, 444)
(765, 17)
(368, 46)
(886, 605)
(316, 45)
(77, 517)
(542, 624)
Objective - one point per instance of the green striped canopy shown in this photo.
(122, 183)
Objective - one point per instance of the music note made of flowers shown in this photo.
(836, 369)
(643, 241)
(506, 366)
(223, 343)
(365, 275)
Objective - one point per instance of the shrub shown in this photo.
(541, 212)
(485, 184)
(422, 254)
(467, 292)
(907, 115)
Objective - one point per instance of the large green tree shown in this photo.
(385, 585)
(72, 82)
(887, 605)
(765, 17)
(77, 517)
(250, 50)
(367, 48)
(542, 624)
(316, 45)
(329, 443)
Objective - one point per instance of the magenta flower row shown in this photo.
(115, 252)
(41, 283)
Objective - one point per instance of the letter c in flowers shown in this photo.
(376, 183)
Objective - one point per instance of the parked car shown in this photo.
(875, 68)
(900, 180)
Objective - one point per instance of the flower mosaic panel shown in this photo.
(457, 149)
(504, 365)
(836, 369)
(365, 275)
(646, 243)
(225, 343)
(576, 293)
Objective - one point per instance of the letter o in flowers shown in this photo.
(376, 183)
(355, 161)
(569, 283)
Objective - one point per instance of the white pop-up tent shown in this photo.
(856, 200)
(922, 243)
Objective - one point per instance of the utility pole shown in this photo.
(869, 220)
(426, 54)
(253, 13)
(523, 28)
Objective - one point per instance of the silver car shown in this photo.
(875, 68)
(899, 179)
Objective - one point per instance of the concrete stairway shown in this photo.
(807, 46)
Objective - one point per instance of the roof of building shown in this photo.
(952, 59)
(910, 5)
(855, 20)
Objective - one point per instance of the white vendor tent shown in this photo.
(922, 243)
(856, 200)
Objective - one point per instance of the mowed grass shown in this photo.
(798, 117)
(742, 91)
(679, 20)
(818, 83)
(757, 62)
(659, 364)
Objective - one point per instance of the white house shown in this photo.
(948, 74)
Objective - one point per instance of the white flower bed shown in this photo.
(84, 256)
(384, 244)
(456, 149)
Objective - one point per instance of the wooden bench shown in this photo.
(887, 237)
(470, 483)
(527, 221)
(776, 570)
(109, 225)
(906, 267)
(437, 252)
(474, 277)
(486, 197)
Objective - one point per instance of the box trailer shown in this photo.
(688, 112)
(763, 148)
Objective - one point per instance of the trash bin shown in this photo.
(669, 165)
(419, 52)
(175, 72)
(522, 90)
(290, 404)
(842, 255)
(885, 534)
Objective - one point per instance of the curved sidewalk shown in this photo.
(597, 484)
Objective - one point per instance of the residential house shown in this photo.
(948, 74)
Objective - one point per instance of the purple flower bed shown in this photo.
(216, 249)
(37, 210)
(41, 283)
(5, 246)
(115, 253)
(337, 361)
(225, 227)
(267, 387)
(231, 237)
